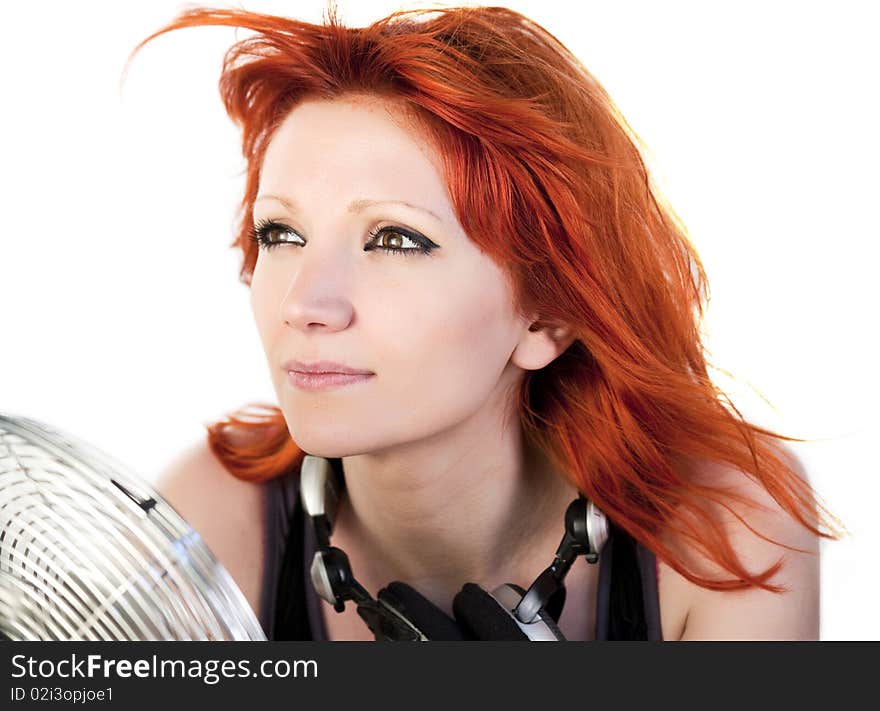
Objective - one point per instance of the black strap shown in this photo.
(291, 610)
(626, 615)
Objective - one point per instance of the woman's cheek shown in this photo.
(464, 348)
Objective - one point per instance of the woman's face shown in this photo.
(436, 329)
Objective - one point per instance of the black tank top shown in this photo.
(627, 605)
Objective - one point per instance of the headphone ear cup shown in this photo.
(550, 619)
(485, 616)
(544, 629)
(420, 612)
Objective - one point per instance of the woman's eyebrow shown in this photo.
(354, 206)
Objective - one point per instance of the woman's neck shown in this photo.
(460, 508)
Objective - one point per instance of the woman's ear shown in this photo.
(540, 345)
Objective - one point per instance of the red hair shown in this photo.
(545, 176)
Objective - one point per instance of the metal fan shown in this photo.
(88, 551)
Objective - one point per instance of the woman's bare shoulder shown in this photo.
(228, 513)
(753, 613)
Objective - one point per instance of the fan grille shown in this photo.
(89, 552)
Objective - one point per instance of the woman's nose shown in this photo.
(318, 296)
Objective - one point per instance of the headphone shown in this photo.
(536, 611)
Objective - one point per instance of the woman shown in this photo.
(448, 204)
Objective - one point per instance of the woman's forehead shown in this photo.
(357, 140)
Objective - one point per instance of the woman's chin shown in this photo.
(330, 445)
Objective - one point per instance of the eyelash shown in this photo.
(260, 231)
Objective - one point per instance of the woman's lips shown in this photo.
(324, 381)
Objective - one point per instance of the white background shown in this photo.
(125, 324)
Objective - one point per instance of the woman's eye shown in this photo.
(269, 234)
(395, 240)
